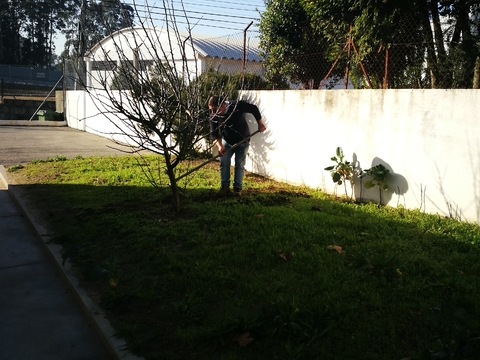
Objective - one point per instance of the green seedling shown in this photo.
(342, 171)
(378, 174)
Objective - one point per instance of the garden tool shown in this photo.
(215, 157)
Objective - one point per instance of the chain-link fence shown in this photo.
(24, 75)
(414, 56)
(70, 77)
(410, 55)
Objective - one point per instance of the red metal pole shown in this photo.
(361, 65)
(333, 66)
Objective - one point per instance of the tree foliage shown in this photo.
(415, 43)
(292, 46)
(102, 18)
(226, 85)
(28, 28)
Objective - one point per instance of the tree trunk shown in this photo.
(437, 30)
(468, 46)
(431, 56)
(443, 79)
(175, 191)
(476, 74)
(171, 175)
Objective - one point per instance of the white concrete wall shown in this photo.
(75, 109)
(92, 113)
(428, 139)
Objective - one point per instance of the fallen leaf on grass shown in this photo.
(243, 339)
(336, 248)
(286, 256)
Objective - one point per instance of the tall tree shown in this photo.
(10, 29)
(102, 18)
(375, 28)
(394, 39)
(27, 30)
(463, 40)
(28, 27)
(293, 50)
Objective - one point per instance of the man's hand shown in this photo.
(261, 126)
(221, 148)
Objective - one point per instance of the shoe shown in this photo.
(237, 191)
(225, 190)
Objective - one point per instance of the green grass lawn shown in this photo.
(283, 272)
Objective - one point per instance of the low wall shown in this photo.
(428, 139)
(23, 109)
(94, 114)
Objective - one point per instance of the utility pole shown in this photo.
(81, 72)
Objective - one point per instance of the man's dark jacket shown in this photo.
(232, 125)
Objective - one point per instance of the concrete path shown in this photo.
(44, 313)
(21, 144)
(39, 318)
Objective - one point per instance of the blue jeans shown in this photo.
(240, 153)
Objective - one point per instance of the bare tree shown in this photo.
(142, 79)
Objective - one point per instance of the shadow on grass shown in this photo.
(303, 274)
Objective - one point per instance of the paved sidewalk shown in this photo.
(21, 144)
(39, 317)
(44, 313)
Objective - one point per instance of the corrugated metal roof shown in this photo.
(219, 48)
(224, 47)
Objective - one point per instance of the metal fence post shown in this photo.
(244, 54)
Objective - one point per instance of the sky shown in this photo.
(209, 17)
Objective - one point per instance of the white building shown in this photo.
(141, 47)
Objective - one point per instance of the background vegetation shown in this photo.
(28, 27)
(400, 43)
